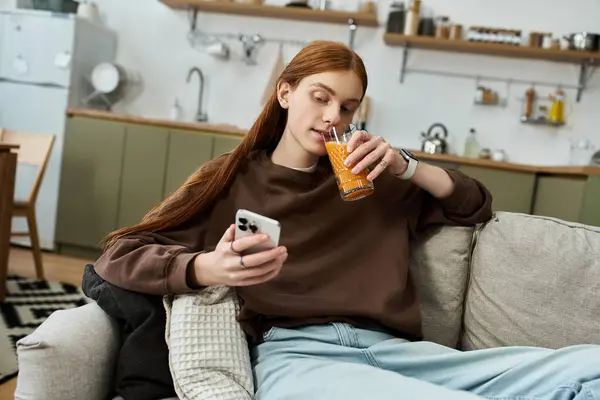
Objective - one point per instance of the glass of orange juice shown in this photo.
(352, 186)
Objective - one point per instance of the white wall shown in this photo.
(153, 42)
(10, 4)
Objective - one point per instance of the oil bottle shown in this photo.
(557, 111)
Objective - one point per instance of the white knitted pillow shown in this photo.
(208, 351)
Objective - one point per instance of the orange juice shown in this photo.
(351, 186)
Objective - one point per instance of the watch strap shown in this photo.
(412, 166)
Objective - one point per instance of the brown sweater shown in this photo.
(348, 261)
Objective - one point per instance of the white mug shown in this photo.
(499, 155)
(88, 11)
(219, 50)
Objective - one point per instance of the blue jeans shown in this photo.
(338, 361)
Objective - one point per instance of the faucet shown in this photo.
(200, 116)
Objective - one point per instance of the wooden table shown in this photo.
(8, 170)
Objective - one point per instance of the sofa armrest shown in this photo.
(71, 355)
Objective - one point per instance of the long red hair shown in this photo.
(205, 185)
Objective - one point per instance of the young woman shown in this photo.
(332, 312)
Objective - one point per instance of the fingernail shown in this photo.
(355, 170)
(265, 237)
(347, 162)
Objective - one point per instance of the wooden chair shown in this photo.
(34, 149)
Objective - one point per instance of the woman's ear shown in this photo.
(283, 92)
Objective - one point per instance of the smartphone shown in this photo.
(248, 223)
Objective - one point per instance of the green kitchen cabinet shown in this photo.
(512, 191)
(143, 175)
(590, 212)
(560, 197)
(91, 169)
(224, 144)
(186, 152)
(570, 198)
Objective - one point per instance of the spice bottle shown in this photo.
(529, 99)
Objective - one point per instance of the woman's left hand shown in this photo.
(367, 150)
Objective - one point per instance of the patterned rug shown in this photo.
(28, 303)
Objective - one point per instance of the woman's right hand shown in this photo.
(223, 267)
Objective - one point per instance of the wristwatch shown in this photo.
(412, 164)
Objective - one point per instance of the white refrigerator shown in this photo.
(45, 63)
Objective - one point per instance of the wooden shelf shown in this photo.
(492, 49)
(281, 12)
(583, 170)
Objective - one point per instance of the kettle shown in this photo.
(433, 143)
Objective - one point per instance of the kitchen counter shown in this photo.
(232, 131)
(224, 129)
(583, 170)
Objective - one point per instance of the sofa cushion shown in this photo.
(208, 351)
(439, 266)
(535, 281)
(71, 355)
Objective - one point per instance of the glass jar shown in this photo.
(456, 32)
(396, 18)
(582, 151)
(427, 23)
(368, 6)
(442, 29)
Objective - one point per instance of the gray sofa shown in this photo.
(516, 280)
